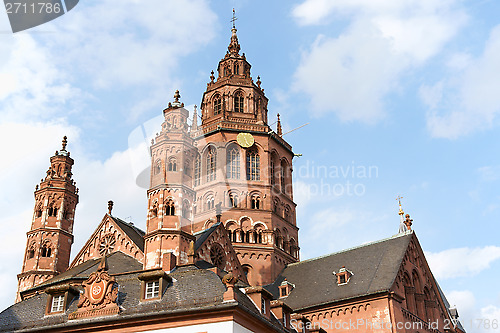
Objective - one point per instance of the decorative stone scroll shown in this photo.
(99, 295)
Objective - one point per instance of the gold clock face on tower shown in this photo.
(245, 140)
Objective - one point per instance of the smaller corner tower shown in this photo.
(170, 195)
(51, 234)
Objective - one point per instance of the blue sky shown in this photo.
(406, 89)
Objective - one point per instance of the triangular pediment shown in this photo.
(110, 236)
(417, 289)
(214, 246)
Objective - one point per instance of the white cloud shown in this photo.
(352, 74)
(31, 85)
(25, 161)
(489, 173)
(132, 43)
(471, 101)
(464, 301)
(472, 261)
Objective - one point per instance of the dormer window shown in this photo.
(60, 297)
(152, 289)
(343, 276)
(263, 305)
(153, 284)
(57, 303)
(285, 288)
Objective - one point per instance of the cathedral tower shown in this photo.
(171, 195)
(51, 236)
(246, 168)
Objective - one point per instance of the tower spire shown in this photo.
(234, 45)
(49, 240)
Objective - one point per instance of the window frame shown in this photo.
(151, 289)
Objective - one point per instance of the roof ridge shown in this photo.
(129, 224)
(354, 248)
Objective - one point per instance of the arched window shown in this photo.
(170, 207)
(258, 237)
(233, 200)
(172, 164)
(197, 170)
(255, 202)
(154, 210)
(293, 248)
(217, 105)
(273, 172)
(157, 167)
(278, 239)
(185, 209)
(31, 253)
(211, 163)
(236, 68)
(39, 212)
(187, 168)
(238, 102)
(287, 213)
(233, 163)
(52, 211)
(284, 176)
(276, 206)
(210, 204)
(246, 269)
(253, 165)
(46, 251)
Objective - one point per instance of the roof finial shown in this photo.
(234, 46)
(177, 95)
(400, 209)
(110, 207)
(279, 130)
(234, 19)
(64, 143)
(408, 222)
(194, 124)
(403, 224)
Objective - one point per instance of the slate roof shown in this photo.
(202, 236)
(135, 234)
(374, 267)
(192, 290)
(118, 262)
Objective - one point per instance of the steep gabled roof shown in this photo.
(218, 234)
(374, 267)
(133, 236)
(118, 262)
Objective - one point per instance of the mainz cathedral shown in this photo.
(220, 251)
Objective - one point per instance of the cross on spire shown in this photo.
(399, 201)
(234, 19)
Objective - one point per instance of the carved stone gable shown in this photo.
(99, 295)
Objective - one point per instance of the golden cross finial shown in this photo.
(399, 201)
(234, 19)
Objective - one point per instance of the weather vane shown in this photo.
(234, 19)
